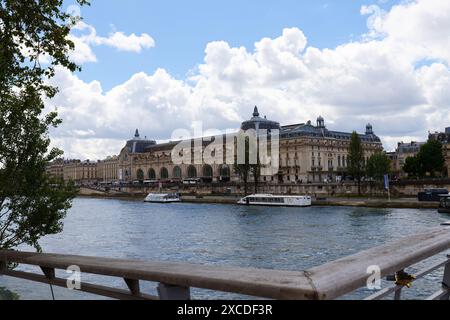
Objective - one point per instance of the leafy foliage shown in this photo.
(243, 169)
(255, 169)
(31, 30)
(32, 204)
(378, 165)
(413, 167)
(356, 166)
(430, 159)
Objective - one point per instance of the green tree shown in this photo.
(431, 157)
(356, 160)
(243, 168)
(255, 170)
(378, 165)
(413, 167)
(32, 204)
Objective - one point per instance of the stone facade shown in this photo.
(444, 138)
(156, 165)
(56, 169)
(315, 154)
(108, 170)
(81, 172)
(403, 152)
(308, 153)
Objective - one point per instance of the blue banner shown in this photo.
(386, 182)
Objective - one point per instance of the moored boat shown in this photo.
(163, 198)
(444, 205)
(276, 201)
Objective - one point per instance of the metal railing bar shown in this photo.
(274, 284)
(443, 294)
(340, 277)
(134, 286)
(387, 291)
(85, 287)
(382, 293)
(329, 281)
(398, 294)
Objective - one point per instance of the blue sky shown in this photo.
(181, 29)
(161, 66)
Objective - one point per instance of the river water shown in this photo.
(261, 237)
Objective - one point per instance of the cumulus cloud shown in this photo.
(396, 76)
(85, 36)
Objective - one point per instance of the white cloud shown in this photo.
(416, 30)
(91, 115)
(122, 42)
(435, 83)
(84, 36)
(82, 53)
(375, 20)
(384, 79)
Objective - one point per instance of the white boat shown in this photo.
(163, 198)
(276, 201)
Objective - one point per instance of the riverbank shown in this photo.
(395, 203)
(401, 203)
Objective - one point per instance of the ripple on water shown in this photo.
(281, 238)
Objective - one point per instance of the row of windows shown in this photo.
(177, 173)
(266, 200)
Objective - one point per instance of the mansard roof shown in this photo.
(257, 122)
(138, 145)
(308, 130)
(162, 146)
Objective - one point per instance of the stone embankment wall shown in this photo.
(403, 189)
(317, 190)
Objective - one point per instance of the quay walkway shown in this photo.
(399, 203)
(174, 280)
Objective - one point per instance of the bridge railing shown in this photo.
(329, 281)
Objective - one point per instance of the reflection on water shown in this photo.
(261, 237)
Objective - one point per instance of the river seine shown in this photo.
(261, 237)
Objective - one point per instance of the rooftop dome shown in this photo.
(259, 123)
(137, 144)
(369, 129)
(320, 122)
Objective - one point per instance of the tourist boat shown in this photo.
(163, 198)
(276, 201)
(444, 205)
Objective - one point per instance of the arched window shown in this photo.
(151, 174)
(140, 174)
(192, 172)
(164, 173)
(207, 171)
(177, 174)
(225, 171)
